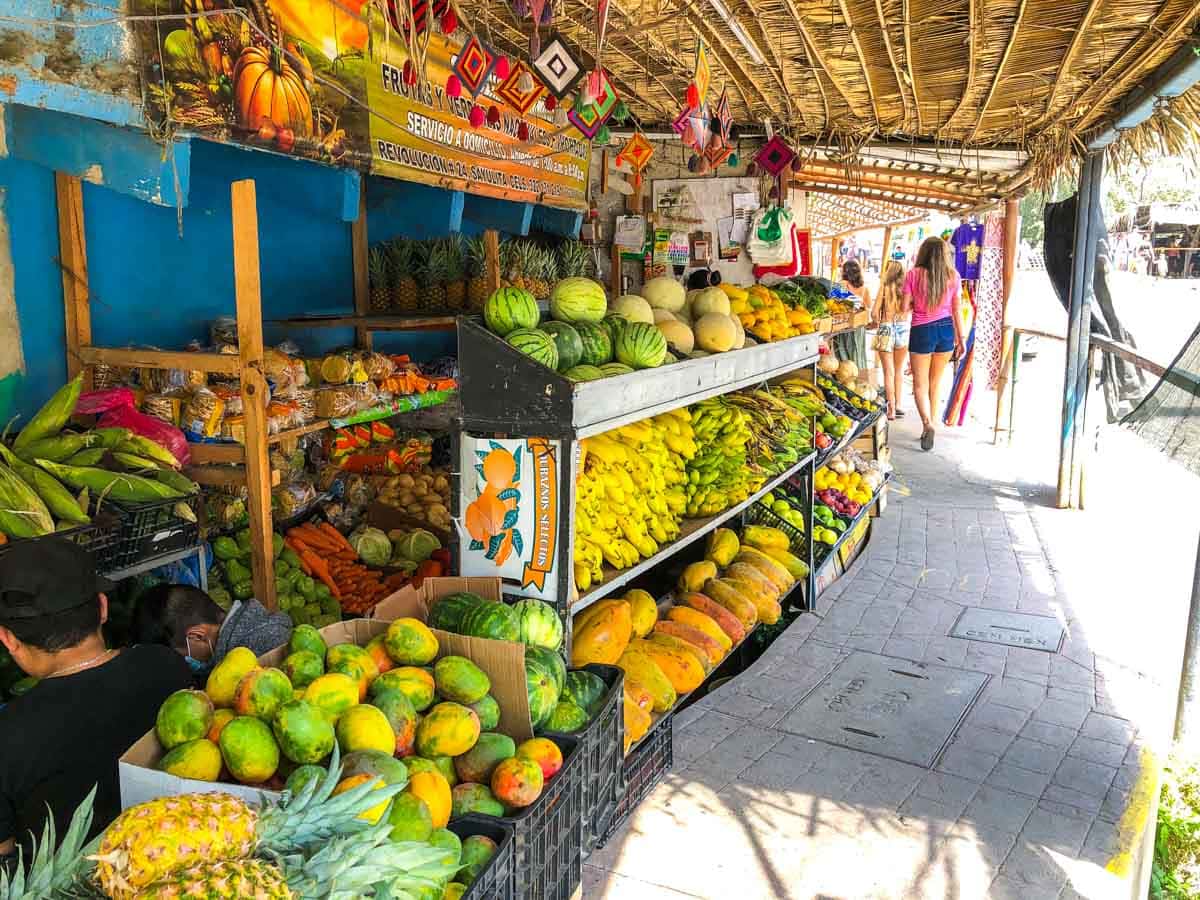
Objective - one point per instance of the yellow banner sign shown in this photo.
(420, 133)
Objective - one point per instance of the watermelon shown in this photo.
(492, 620)
(567, 718)
(641, 346)
(583, 373)
(597, 344)
(613, 324)
(447, 614)
(578, 300)
(508, 309)
(584, 689)
(615, 368)
(550, 660)
(541, 686)
(540, 624)
(568, 342)
(537, 345)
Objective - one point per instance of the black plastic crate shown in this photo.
(645, 767)
(149, 530)
(495, 882)
(601, 745)
(99, 537)
(758, 514)
(548, 835)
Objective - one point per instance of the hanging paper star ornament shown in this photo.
(510, 90)
(702, 76)
(637, 152)
(775, 155)
(473, 65)
(557, 67)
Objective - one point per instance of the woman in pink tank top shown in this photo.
(931, 290)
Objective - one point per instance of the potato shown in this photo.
(404, 481)
(416, 509)
(438, 509)
(407, 497)
(441, 484)
(420, 489)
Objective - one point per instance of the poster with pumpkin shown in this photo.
(283, 75)
(509, 519)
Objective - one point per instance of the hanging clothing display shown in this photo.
(989, 303)
(967, 241)
(960, 390)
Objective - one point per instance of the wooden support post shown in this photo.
(362, 282)
(887, 242)
(247, 290)
(835, 247)
(72, 255)
(491, 257)
(1012, 218)
(614, 278)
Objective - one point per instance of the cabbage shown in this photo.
(417, 545)
(372, 546)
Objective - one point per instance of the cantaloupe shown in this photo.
(678, 335)
(664, 292)
(664, 315)
(710, 300)
(715, 333)
(740, 341)
(633, 308)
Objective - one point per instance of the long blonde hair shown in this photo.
(891, 289)
(934, 262)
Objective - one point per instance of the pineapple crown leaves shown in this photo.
(53, 867)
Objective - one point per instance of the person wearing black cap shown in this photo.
(91, 703)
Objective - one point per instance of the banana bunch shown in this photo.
(779, 434)
(717, 475)
(630, 493)
(803, 396)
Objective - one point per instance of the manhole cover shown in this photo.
(1013, 629)
(887, 706)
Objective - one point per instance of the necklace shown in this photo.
(81, 665)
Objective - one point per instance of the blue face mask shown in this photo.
(198, 666)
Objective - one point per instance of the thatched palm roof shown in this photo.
(1035, 76)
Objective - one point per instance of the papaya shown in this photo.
(472, 797)
(637, 722)
(303, 668)
(304, 734)
(731, 597)
(223, 680)
(778, 574)
(377, 764)
(445, 765)
(488, 711)
(747, 573)
(604, 638)
(409, 642)
(185, 716)
(643, 611)
(261, 693)
(694, 636)
(545, 753)
(410, 818)
(449, 729)
(634, 691)
(401, 715)
(696, 574)
(489, 751)
(582, 619)
(768, 608)
(378, 652)
(795, 566)
(681, 667)
(674, 643)
(722, 547)
(333, 693)
(433, 788)
(764, 537)
(414, 683)
(199, 759)
(644, 671)
(460, 680)
(685, 615)
(518, 781)
(363, 727)
(729, 623)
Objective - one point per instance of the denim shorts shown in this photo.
(932, 337)
(900, 334)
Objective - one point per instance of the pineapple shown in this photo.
(477, 292)
(437, 270)
(403, 286)
(148, 842)
(575, 260)
(420, 274)
(378, 271)
(456, 288)
(506, 253)
(544, 265)
(52, 870)
(359, 865)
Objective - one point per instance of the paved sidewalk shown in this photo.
(1044, 789)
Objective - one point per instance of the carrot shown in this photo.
(314, 538)
(336, 537)
(320, 570)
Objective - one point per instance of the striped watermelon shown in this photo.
(597, 345)
(577, 300)
(536, 345)
(615, 368)
(568, 342)
(641, 346)
(613, 323)
(584, 373)
(508, 309)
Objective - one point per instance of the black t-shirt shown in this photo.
(67, 734)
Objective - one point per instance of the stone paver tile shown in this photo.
(1107, 728)
(601, 884)
(974, 737)
(974, 765)
(749, 741)
(1054, 830)
(1097, 751)
(887, 784)
(1085, 777)
(1059, 797)
(1048, 733)
(773, 771)
(1004, 719)
(949, 790)
(1033, 755)
(917, 809)
(946, 651)
(1015, 693)
(904, 648)
(995, 808)
(1062, 712)
(1019, 781)
(1033, 867)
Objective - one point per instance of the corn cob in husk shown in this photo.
(50, 419)
(22, 512)
(89, 457)
(56, 449)
(108, 438)
(57, 498)
(176, 480)
(134, 463)
(110, 485)
(143, 446)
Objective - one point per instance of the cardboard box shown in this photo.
(824, 325)
(504, 663)
(859, 319)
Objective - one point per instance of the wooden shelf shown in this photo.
(299, 431)
(133, 358)
(418, 322)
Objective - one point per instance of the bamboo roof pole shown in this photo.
(1100, 106)
(913, 190)
(795, 14)
(945, 178)
(1065, 66)
(942, 206)
(814, 53)
(891, 54)
(862, 61)
(912, 73)
(780, 76)
(987, 100)
(656, 44)
(972, 62)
